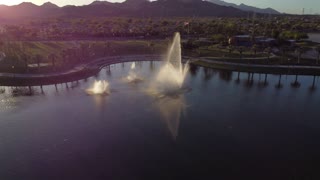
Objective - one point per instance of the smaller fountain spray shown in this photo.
(133, 76)
(99, 88)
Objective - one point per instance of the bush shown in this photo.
(217, 38)
(190, 44)
(293, 35)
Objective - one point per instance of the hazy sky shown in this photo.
(289, 6)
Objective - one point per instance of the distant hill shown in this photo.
(130, 8)
(187, 8)
(245, 7)
(49, 5)
(24, 10)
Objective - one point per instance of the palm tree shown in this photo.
(279, 85)
(230, 48)
(268, 50)
(52, 57)
(25, 59)
(317, 49)
(64, 56)
(296, 83)
(313, 86)
(151, 45)
(254, 49)
(105, 48)
(300, 51)
(241, 49)
(38, 59)
(283, 51)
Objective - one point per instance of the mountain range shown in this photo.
(129, 8)
(245, 7)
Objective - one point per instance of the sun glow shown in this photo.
(10, 2)
(57, 2)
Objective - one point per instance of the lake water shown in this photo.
(314, 37)
(222, 128)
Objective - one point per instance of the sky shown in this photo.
(288, 6)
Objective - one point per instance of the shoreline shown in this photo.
(77, 73)
(83, 71)
(257, 68)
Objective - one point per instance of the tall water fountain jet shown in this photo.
(99, 88)
(172, 74)
(168, 87)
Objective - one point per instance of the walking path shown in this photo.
(260, 66)
(257, 68)
(105, 61)
(94, 65)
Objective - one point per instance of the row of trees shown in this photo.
(24, 56)
(280, 27)
(18, 56)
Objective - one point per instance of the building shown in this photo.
(266, 42)
(241, 40)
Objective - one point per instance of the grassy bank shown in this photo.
(52, 56)
(257, 69)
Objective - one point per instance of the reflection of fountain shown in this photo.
(171, 110)
(133, 75)
(172, 74)
(99, 88)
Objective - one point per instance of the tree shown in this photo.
(240, 50)
(299, 51)
(25, 59)
(230, 48)
(38, 59)
(2, 44)
(255, 49)
(64, 56)
(217, 38)
(317, 49)
(52, 57)
(283, 50)
(268, 50)
(151, 45)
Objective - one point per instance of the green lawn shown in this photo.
(17, 53)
